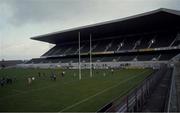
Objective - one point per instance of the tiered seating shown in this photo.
(128, 43)
(85, 59)
(96, 59)
(127, 58)
(148, 57)
(176, 43)
(72, 49)
(144, 42)
(84, 47)
(101, 46)
(62, 49)
(7, 63)
(110, 59)
(117, 43)
(50, 52)
(35, 61)
(166, 56)
(163, 40)
(66, 49)
(145, 57)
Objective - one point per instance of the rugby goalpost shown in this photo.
(90, 54)
(79, 38)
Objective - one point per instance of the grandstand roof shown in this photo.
(150, 21)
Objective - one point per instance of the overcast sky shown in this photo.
(22, 19)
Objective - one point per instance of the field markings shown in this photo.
(32, 90)
(19, 91)
(105, 90)
(38, 89)
(123, 93)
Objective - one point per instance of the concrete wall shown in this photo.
(96, 65)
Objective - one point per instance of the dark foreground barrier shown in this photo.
(135, 100)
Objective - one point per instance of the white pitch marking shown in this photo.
(24, 92)
(79, 102)
(19, 91)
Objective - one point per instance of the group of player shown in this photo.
(6, 81)
(52, 76)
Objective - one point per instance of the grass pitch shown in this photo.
(67, 93)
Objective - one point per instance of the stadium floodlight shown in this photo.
(152, 41)
(90, 55)
(79, 38)
(138, 42)
(121, 44)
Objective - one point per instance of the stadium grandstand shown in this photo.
(10, 63)
(147, 45)
(141, 40)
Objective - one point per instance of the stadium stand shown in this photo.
(8, 63)
(152, 36)
(148, 40)
(129, 43)
(126, 43)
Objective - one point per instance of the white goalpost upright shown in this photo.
(79, 38)
(90, 55)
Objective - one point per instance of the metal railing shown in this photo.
(172, 100)
(135, 99)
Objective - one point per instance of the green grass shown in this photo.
(68, 93)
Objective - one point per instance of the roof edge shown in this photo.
(172, 11)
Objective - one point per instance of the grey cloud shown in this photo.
(63, 10)
(46, 10)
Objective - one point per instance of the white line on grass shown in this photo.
(122, 94)
(18, 91)
(32, 90)
(37, 89)
(86, 99)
